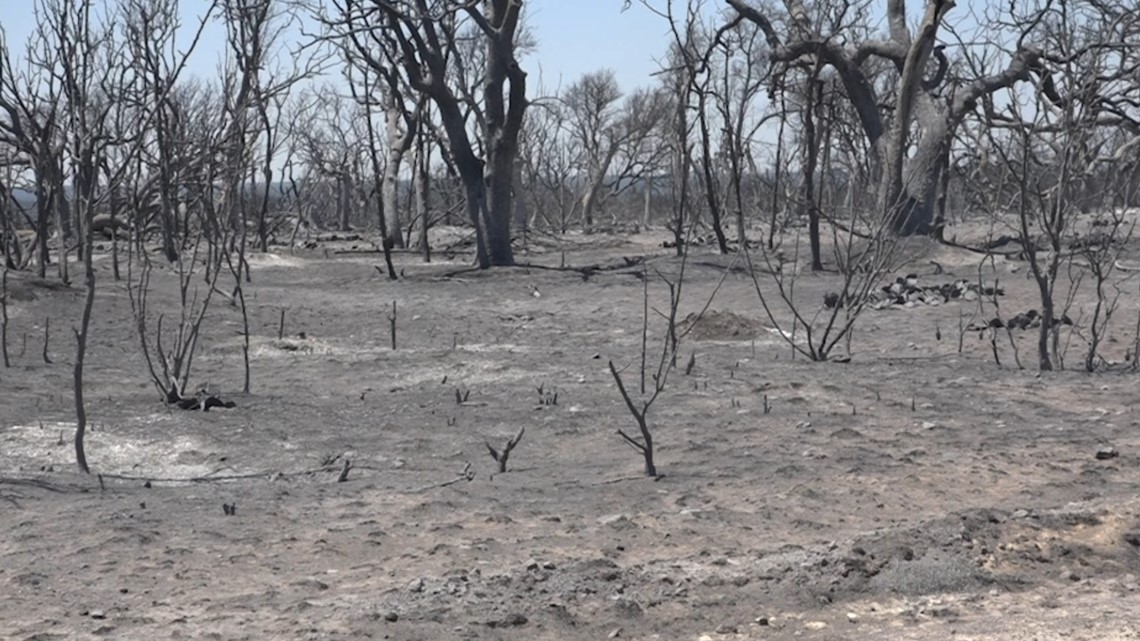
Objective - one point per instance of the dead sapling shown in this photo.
(645, 445)
(281, 326)
(691, 364)
(4, 315)
(47, 338)
(670, 344)
(344, 471)
(547, 397)
(392, 324)
(501, 457)
(461, 396)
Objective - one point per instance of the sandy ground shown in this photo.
(916, 492)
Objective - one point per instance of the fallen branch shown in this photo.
(468, 474)
(221, 479)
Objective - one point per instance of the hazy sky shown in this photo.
(574, 36)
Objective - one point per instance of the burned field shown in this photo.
(917, 490)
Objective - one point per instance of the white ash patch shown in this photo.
(51, 444)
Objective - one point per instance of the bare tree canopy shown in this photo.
(910, 110)
(427, 37)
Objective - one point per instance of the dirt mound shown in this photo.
(721, 326)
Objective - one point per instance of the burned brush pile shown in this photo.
(907, 292)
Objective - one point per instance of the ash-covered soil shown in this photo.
(918, 491)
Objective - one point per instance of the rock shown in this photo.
(852, 617)
(612, 519)
(1107, 452)
(725, 628)
(515, 619)
(615, 633)
(815, 625)
(928, 425)
(312, 584)
(416, 585)
(97, 614)
(1020, 514)
(531, 564)
(763, 621)
(609, 575)
(391, 617)
(548, 565)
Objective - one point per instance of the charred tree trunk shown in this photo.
(500, 203)
(344, 202)
(811, 159)
(421, 185)
(396, 148)
(709, 174)
(522, 211)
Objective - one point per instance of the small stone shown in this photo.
(515, 619)
(97, 614)
(311, 583)
(928, 425)
(615, 633)
(391, 617)
(725, 628)
(763, 621)
(416, 585)
(531, 564)
(815, 625)
(852, 617)
(1107, 452)
(1020, 514)
(611, 519)
(548, 565)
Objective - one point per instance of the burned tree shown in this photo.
(610, 133)
(427, 35)
(31, 126)
(909, 125)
